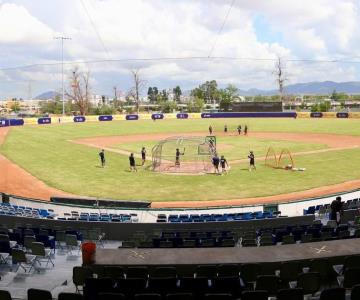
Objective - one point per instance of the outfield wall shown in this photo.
(179, 116)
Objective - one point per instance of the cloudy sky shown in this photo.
(116, 36)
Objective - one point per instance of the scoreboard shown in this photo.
(256, 107)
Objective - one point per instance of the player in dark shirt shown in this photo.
(224, 164)
(225, 128)
(251, 157)
(210, 130)
(143, 155)
(239, 129)
(245, 130)
(216, 162)
(336, 208)
(177, 157)
(102, 158)
(132, 163)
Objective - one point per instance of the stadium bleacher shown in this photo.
(33, 239)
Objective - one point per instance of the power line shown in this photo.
(95, 29)
(186, 58)
(221, 28)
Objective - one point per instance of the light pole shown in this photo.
(62, 38)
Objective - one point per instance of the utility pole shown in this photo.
(115, 92)
(29, 91)
(62, 38)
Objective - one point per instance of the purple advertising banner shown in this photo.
(16, 122)
(105, 118)
(182, 116)
(249, 115)
(342, 115)
(157, 116)
(4, 123)
(316, 115)
(78, 119)
(132, 117)
(44, 121)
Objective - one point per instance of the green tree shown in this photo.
(207, 91)
(153, 94)
(103, 110)
(195, 105)
(227, 96)
(177, 93)
(164, 96)
(15, 107)
(315, 108)
(167, 106)
(324, 106)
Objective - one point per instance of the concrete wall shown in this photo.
(122, 231)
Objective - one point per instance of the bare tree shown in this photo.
(280, 76)
(135, 91)
(80, 90)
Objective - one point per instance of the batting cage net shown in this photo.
(181, 154)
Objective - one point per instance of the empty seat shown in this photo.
(351, 277)
(148, 297)
(218, 297)
(162, 285)
(94, 286)
(289, 271)
(137, 272)
(310, 282)
(129, 286)
(179, 296)
(230, 270)
(36, 294)
(208, 271)
(355, 292)
(113, 272)
(70, 296)
(249, 273)
(269, 283)
(111, 296)
(5, 295)
(333, 294)
(80, 274)
(290, 294)
(254, 295)
(163, 272)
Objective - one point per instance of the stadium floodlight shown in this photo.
(62, 38)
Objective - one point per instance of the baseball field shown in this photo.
(65, 157)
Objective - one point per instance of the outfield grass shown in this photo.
(47, 153)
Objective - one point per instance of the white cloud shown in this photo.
(19, 27)
(321, 29)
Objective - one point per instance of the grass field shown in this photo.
(47, 153)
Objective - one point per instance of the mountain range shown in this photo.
(308, 88)
(47, 95)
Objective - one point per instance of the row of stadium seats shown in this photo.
(98, 217)
(337, 293)
(196, 218)
(309, 275)
(325, 208)
(266, 236)
(22, 211)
